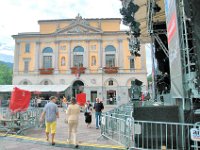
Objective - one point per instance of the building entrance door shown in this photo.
(77, 87)
(111, 97)
(93, 96)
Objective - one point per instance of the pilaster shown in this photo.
(69, 57)
(120, 55)
(16, 58)
(37, 57)
(56, 59)
(100, 55)
(86, 56)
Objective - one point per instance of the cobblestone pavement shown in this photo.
(85, 136)
(6, 144)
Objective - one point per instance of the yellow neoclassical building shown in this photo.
(90, 53)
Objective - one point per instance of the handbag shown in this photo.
(86, 114)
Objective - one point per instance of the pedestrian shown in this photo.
(88, 113)
(50, 112)
(39, 100)
(73, 112)
(64, 103)
(98, 107)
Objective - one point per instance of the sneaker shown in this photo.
(76, 146)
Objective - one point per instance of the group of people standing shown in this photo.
(51, 113)
(98, 107)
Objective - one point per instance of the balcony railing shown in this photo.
(111, 70)
(46, 71)
(79, 70)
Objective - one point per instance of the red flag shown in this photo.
(81, 99)
(20, 100)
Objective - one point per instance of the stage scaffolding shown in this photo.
(188, 50)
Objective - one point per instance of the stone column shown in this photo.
(56, 59)
(69, 56)
(16, 58)
(37, 57)
(120, 55)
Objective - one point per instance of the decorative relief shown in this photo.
(79, 25)
(79, 20)
(62, 47)
(93, 61)
(63, 61)
(93, 81)
(78, 29)
(93, 47)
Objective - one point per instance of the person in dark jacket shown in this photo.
(88, 113)
(98, 107)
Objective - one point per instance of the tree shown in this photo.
(149, 78)
(5, 75)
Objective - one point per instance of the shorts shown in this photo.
(51, 126)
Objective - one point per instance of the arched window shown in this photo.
(110, 48)
(46, 82)
(78, 49)
(110, 56)
(25, 83)
(110, 82)
(47, 50)
(78, 56)
(47, 57)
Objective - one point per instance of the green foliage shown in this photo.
(5, 75)
(149, 78)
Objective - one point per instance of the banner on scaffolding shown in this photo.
(20, 100)
(174, 49)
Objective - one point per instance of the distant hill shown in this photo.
(10, 65)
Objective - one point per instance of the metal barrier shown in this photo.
(124, 130)
(18, 122)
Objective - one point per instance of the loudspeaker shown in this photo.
(138, 82)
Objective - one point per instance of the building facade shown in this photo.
(86, 53)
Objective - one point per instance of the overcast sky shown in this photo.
(22, 15)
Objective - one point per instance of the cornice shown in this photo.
(68, 34)
(69, 20)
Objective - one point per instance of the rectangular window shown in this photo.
(110, 60)
(78, 60)
(26, 66)
(27, 48)
(47, 61)
(132, 63)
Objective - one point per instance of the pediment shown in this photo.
(78, 25)
(78, 28)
